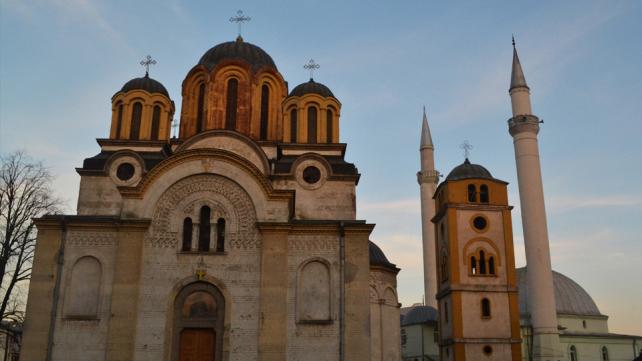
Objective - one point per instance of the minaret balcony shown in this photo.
(523, 123)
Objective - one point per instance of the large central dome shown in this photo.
(240, 50)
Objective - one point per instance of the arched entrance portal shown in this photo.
(199, 312)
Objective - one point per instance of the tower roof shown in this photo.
(426, 137)
(468, 170)
(311, 87)
(238, 49)
(378, 258)
(517, 79)
(145, 83)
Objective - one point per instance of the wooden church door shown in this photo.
(197, 345)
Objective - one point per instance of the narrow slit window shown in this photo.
(187, 234)
(119, 120)
(220, 235)
(446, 312)
(312, 125)
(265, 104)
(204, 230)
(232, 100)
(605, 354)
(491, 265)
(472, 193)
(156, 122)
(573, 353)
(293, 125)
(485, 308)
(329, 125)
(482, 262)
(473, 265)
(483, 193)
(200, 110)
(137, 112)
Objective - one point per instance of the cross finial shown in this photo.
(311, 66)
(240, 18)
(174, 127)
(466, 146)
(146, 63)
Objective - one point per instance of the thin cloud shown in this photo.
(560, 204)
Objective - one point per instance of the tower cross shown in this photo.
(311, 66)
(240, 18)
(174, 127)
(147, 62)
(467, 147)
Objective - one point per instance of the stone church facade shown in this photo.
(236, 240)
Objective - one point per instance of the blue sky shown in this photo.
(61, 61)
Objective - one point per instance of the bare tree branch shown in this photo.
(25, 194)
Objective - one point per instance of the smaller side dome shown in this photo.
(467, 170)
(145, 83)
(311, 87)
(419, 315)
(378, 258)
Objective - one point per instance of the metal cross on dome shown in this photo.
(240, 18)
(311, 66)
(467, 147)
(147, 62)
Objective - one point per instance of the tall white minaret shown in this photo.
(428, 178)
(523, 127)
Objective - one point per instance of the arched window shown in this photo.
(444, 267)
(473, 265)
(472, 193)
(491, 265)
(200, 110)
(573, 353)
(482, 262)
(485, 308)
(137, 112)
(605, 354)
(293, 125)
(232, 100)
(583, 323)
(265, 108)
(119, 120)
(220, 235)
(312, 125)
(156, 122)
(483, 193)
(328, 131)
(313, 292)
(204, 230)
(83, 292)
(187, 234)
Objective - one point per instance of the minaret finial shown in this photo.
(311, 66)
(146, 63)
(513, 36)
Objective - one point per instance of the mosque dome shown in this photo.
(570, 297)
(240, 50)
(145, 83)
(420, 315)
(378, 258)
(311, 87)
(468, 170)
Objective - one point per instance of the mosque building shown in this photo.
(235, 240)
(478, 306)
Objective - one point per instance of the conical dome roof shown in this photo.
(145, 83)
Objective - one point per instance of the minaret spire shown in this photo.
(428, 178)
(426, 138)
(524, 127)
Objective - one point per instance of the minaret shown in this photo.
(523, 127)
(428, 178)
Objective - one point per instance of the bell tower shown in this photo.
(477, 294)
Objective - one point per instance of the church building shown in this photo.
(237, 239)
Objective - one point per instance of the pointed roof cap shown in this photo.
(426, 138)
(517, 79)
